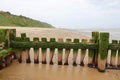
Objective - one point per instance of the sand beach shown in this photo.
(40, 71)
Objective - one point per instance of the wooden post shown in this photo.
(19, 53)
(60, 52)
(67, 51)
(118, 64)
(44, 51)
(28, 60)
(52, 49)
(83, 52)
(75, 52)
(103, 51)
(91, 53)
(51, 55)
(36, 50)
(1, 62)
(36, 56)
(7, 59)
(113, 55)
(95, 37)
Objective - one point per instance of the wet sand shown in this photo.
(54, 72)
(40, 71)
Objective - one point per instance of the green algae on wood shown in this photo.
(83, 52)
(103, 51)
(95, 37)
(44, 51)
(113, 53)
(60, 52)
(67, 50)
(36, 56)
(118, 63)
(36, 41)
(91, 53)
(44, 39)
(76, 41)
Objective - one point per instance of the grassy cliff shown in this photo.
(8, 19)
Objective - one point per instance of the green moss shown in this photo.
(95, 36)
(12, 34)
(3, 33)
(114, 42)
(114, 46)
(21, 45)
(36, 49)
(84, 41)
(52, 51)
(119, 53)
(52, 45)
(35, 42)
(17, 38)
(113, 51)
(119, 50)
(103, 45)
(44, 39)
(52, 40)
(67, 46)
(23, 35)
(4, 37)
(22, 38)
(83, 51)
(27, 39)
(68, 40)
(60, 51)
(17, 50)
(92, 41)
(60, 46)
(91, 53)
(44, 50)
(4, 51)
(76, 40)
(75, 51)
(35, 39)
(75, 45)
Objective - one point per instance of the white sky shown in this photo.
(68, 13)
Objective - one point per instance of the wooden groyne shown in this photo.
(97, 48)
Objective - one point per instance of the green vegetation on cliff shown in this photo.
(8, 19)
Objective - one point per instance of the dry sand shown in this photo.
(47, 32)
(53, 72)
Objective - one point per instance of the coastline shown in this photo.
(56, 33)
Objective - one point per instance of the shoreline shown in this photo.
(47, 32)
(48, 69)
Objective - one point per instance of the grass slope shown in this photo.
(8, 19)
